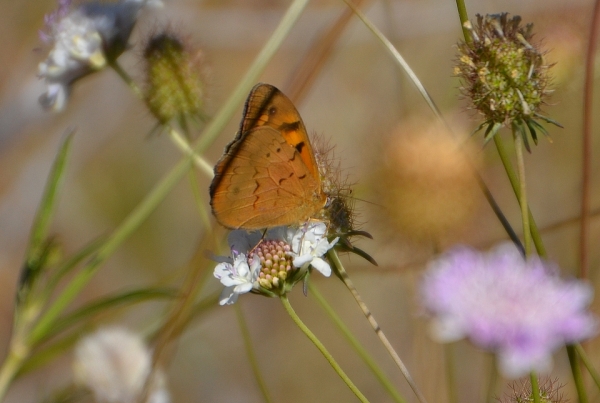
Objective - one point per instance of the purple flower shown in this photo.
(518, 308)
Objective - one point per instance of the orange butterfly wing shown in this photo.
(268, 174)
(267, 106)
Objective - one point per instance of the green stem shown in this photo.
(362, 352)
(535, 387)
(464, 17)
(177, 138)
(588, 364)
(251, 356)
(577, 375)
(523, 193)
(514, 182)
(149, 204)
(321, 348)
(489, 398)
(11, 366)
(180, 141)
(121, 233)
(450, 373)
(396, 55)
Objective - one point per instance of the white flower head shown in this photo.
(83, 40)
(114, 364)
(309, 244)
(238, 278)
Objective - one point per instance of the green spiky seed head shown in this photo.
(175, 86)
(503, 74)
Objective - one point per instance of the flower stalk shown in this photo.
(321, 348)
(523, 194)
(339, 268)
(360, 350)
(260, 380)
(535, 387)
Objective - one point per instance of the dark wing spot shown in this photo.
(268, 155)
(283, 179)
(278, 149)
(272, 110)
(290, 127)
(300, 146)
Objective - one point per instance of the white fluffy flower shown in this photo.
(84, 41)
(238, 278)
(114, 364)
(310, 244)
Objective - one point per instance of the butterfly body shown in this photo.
(268, 175)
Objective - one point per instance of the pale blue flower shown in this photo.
(520, 309)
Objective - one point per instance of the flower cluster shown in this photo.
(504, 75)
(518, 308)
(273, 264)
(84, 40)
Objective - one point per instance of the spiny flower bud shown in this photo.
(549, 391)
(175, 87)
(504, 75)
(275, 261)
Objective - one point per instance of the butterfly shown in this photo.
(268, 175)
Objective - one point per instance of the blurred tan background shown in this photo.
(359, 100)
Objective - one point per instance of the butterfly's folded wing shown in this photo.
(268, 106)
(262, 182)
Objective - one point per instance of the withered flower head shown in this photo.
(504, 75)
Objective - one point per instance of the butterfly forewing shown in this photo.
(263, 182)
(267, 106)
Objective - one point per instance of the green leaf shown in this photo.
(519, 130)
(532, 131)
(539, 127)
(548, 120)
(38, 247)
(47, 354)
(481, 126)
(70, 264)
(344, 245)
(491, 132)
(101, 305)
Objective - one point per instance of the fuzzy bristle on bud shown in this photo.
(425, 183)
(504, 75)
(549, 391)
(175, 87)
(275, 261)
